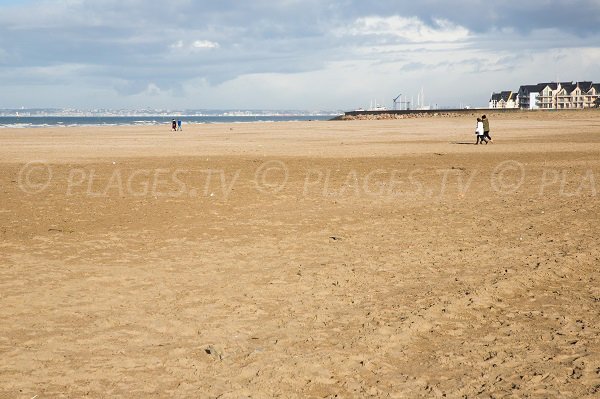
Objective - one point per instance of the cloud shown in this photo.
(195, 45)
(3, 56)
(131, 50)
(580, 17)
(411, 30)
(152, 90)
(205, 44)
(177, 45)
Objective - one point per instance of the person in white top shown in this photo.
(479, 132)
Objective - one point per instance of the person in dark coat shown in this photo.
(486, 128)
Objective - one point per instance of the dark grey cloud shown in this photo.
(127, 37)
(581, 17)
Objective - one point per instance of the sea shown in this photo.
(74, 121)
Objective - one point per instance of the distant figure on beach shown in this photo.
(486, 128)
(174, 125)
(479, 132)
(179, 124)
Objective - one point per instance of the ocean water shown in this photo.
(72, 121)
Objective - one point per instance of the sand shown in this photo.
(310, 259)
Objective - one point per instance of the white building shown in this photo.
(559, 95)
(504, 99)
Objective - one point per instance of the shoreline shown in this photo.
(321, 139)
(21, 122)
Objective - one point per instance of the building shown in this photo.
(557, 95)
(528, 95)
(504, 99)
(577, 95)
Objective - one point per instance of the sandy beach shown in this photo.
(344, 259)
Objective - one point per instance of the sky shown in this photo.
(287, 54)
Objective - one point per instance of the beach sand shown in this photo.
(309, 259)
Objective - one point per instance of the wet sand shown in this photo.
(309, 259)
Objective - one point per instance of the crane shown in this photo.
(397, 102)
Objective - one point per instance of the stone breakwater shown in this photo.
(414, 114)
(386, 116)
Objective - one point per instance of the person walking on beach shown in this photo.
(479, 132)
(174, 125)
(179, 124)
(486, 128)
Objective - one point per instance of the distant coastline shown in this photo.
(41, 121)
(167, 113)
